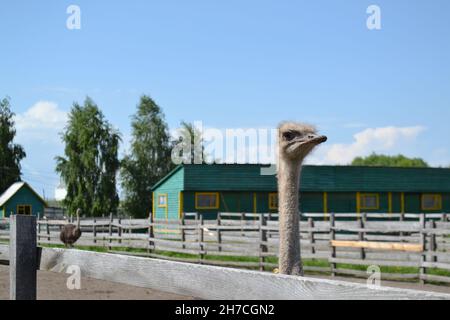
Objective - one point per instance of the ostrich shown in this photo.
(70, 233)
(295, 142)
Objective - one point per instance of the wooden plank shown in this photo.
(23, 258)
(436, 265)
(229, 284)
(368, 262)
(409, 247)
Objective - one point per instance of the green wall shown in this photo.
(172, 187)
(23, 197)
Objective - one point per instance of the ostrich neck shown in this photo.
(288, 201)
(78, 221)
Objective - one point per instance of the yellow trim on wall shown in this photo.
(377, 196)
(24, 206)
(180, 204)
(437, 197)
(358, 203)
(255, 203)
(325, 205)
(216, 194)
(402, 202)
(390, 202)
(167, 200)
(271, 206)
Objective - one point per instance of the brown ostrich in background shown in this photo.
(70, 233)
(295, 142)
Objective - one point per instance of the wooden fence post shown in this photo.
(183, 231)
(47, 229)
(201, 238)
(333, 248)
(362, 223)
(23, 257)
(219, 232)
(38, 227)
(130, 231)
(119, 230)
(311, 235)
(422, 269)
(263, 241)
(94, 230)
(151, 234)
(402, 218)
(242, 223)
(110, 231)
(433, 244)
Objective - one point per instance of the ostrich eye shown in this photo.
(288, 136)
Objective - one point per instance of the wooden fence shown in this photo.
(419, 243)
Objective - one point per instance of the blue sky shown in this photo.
(234, 64)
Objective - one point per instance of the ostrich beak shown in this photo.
(316, 139)
(305, 143)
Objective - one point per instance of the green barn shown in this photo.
(209, 189)
(20, 198)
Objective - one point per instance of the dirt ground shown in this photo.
(52, 286)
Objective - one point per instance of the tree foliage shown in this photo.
(149, 159)
(389, 161)
(90, 163)
(10, 153)
(188, 148)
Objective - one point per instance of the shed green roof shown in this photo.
(247, 177)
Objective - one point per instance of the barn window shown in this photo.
(431, 202)
(369, 201)
(162, 200)
(24, 210)
(207, 200)
(273, 201)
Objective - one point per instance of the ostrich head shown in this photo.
(297, 140)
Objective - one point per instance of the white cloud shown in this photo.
(42, 115)
(381, 140)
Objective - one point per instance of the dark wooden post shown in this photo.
(23, 257)
(110, 230)
(151, 234)
(38, 227)
(94, 230)
(422, 269)
(242, 224)
(362, 223)
(311, 235)
(130, 230)
(119, 231)
(433, 244)
(333, 248)
(263, 241)
(47, 228)
(402, 218)
(183, 231)
(219, 232)
(201, 238)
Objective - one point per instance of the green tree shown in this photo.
(188, 147)
(10, 153)
(149, 159)
(90, 163)
(379, 160)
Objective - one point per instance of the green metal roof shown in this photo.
(247, 177)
